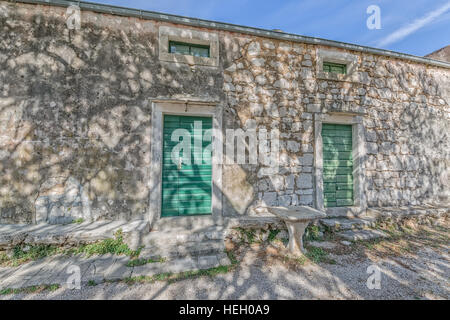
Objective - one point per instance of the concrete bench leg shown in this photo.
(296, 231)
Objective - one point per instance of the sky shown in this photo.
(416, 27)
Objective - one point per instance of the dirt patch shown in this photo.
(406, 241)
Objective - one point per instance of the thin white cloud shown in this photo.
(405, 31)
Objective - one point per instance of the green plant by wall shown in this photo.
(24, 253)
(141, 262)
(32, 289)
(246, 235)
(313, 233)
(273, 234)
(114, 246)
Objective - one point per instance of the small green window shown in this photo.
(196, 50)
(334, 67)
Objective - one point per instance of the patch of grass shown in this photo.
(440, 228)
(273, 234)
(299, 260)
(392, 232)
(232, 257)
(162, 276)
(32, 289)
(25, 253)
(143, 279)
(247, 235)
(92, 283)
(78, 221)
(3, 257)
(132, 280)
(408, 230)
(327, 229)
(173, 277)
(22, 254)
(369, 244)
(9, 291)
(285, 241)
(141, 262)
(53, 287)
(313, 233)
(313, 255)
(318, 255)
(114, 246)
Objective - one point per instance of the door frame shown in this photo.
(186, 108)
(358, 154)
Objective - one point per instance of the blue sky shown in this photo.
(416, 27)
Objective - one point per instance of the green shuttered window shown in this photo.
(334, 67)
(196, 50)
(337, 165)
(186, 188)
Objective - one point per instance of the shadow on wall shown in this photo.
(61, 165)
(406, 130)
(74, 130)
(75, 113)
(428, 168)
(413, 150)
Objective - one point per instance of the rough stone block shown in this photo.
(354, 235)
(304, 181)
(313, 107)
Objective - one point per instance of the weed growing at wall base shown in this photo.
(22, 254)
(113, 246)
(32, 289)
(25, 253)
(141, 262)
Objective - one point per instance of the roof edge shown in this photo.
(151, 15)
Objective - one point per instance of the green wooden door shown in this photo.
(186, 187)
(337, 165)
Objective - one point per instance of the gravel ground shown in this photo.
(415, 267)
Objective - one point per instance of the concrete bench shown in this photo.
(296, 219)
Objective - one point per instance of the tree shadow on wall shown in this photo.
(77, 108)
(75, 119)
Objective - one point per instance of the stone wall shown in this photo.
(75, 111)
(75, 116)
(405, 114)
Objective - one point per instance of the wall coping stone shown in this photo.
(151, 15)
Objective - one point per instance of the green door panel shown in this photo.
(186, 188)
(337, 165)
(329, 187)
